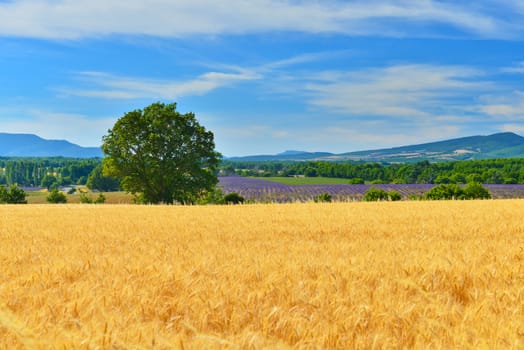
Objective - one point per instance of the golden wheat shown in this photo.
(307, 276)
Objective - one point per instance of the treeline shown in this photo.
(54, 172)
(492, 171)
(31, 172)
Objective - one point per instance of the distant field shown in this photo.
(306, 180)
(264, 190)
(440, 275)
(39, 197)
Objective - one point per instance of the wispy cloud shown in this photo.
(71, 19)
(518, 68)
(397, 92)
(508, 107)
(105, 85)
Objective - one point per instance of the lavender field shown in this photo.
(258, 190)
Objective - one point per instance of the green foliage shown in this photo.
(49, 181)
(233, 198)
(489, 171)
(97, 181)
(161, 156)
(323, 198)
(55, 196)
(87, 200)
(215, 196)
(72, 190)
(445, 191)
(475, 190)
(394, 196)
(376, 194)
(100, 199)
(472, 190)
(15, 195)
(356, 181)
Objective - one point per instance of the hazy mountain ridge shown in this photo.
(30, 145)
(500, 145)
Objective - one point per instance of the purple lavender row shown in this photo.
(259, 190)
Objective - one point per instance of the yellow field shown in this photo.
(312, 276)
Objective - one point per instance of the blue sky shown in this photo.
(266, 75)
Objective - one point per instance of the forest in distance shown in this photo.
(491, 171)
(44, 172)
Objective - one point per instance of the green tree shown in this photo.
(375, 194)
(161, 155)
(56, 197)
(475, 190)
(15, 195)
(97, 181)
(445, 191)
(49, 181)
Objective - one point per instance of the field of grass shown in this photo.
(306, 180)
(39, 197)
(313, 276)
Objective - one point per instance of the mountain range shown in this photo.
(500, 145)
(29, 145)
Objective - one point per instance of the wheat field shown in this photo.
(305, 276)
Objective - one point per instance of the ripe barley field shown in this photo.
(307, 276)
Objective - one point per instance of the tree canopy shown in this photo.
(161, 155)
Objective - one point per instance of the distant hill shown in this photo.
(29, 145)
(287, 155)
(501, 145)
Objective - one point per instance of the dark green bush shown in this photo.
(394, 196)
(375, 194)
(472, 190)
(87, 200)
(445, 191)
(323, 198)
(475, 190)
(233, 198)
(15, 195)
(55, 196)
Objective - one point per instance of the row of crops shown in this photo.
(259, 190)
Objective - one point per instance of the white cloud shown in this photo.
(509, 106)
(398, 92)
(516, 128)
(79, 129)
(519, 68)
(70, 19)
(110, 86)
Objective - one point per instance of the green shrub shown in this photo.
(394, 196)
(233, 198)
(56, 196)
(15, 195)
(374, 194)
(475, 190)
(472, 190)
(87, 200)
(323, 198)
(445, 191)
(100, 199)
(356, 181)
